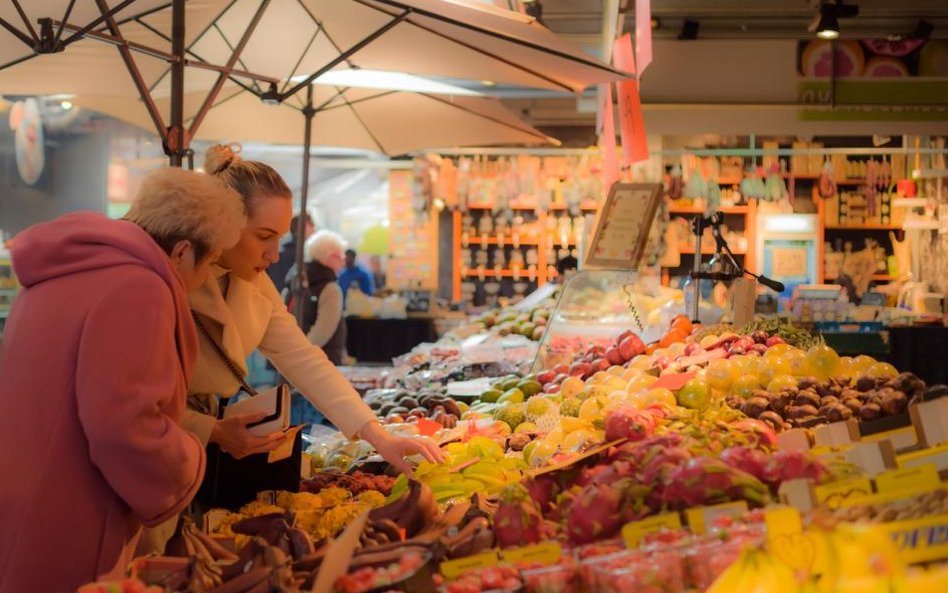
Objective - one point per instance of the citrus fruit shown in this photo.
(491, 395)
(745, 385)
(822, 361)
(882, 370)
(511, 396)
(696, 394)
(720, 374)
(571, 386)
(781, 382)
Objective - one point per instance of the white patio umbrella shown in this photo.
(33, 27)
(275, 48)
(389, 122)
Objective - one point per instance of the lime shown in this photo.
(511, 396)
(491, 395)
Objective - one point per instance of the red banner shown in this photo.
(631, 125)
(610, 167)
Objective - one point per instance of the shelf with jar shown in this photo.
(518, 244)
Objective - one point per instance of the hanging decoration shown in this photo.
(29, 144)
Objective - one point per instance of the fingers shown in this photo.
(429, 450)
(401, 465)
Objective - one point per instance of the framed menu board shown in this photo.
(618, 241)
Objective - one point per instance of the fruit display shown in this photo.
(639, 461)
(529, 324)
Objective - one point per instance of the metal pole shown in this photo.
(177, 142)
(299, 286)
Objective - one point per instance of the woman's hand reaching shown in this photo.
(394, 449)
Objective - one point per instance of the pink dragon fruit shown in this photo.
(703, 480)
(758, 433)
(662, 463)
(629, 422)
(517, 520)
(594, 515)
(752, 461)
(543, 490)
(792, 465)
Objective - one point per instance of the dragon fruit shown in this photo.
(703, 480)
(629, 422)
(752, 461)
(594, 514)
(543, 490)
(662, 463)
(517, 520)
(792, 465)
(758, 433)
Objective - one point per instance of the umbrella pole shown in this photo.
(177, 139)
(299, 286)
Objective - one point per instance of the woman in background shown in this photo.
(322, 315)
(97, 354)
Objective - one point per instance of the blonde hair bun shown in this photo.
(220, 156)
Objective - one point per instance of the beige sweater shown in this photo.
(253, 317)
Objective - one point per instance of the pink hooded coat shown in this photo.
(97, 354)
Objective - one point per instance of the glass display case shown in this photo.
(595, 306)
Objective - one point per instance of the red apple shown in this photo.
(580, 369)
(624, 335)
(551, 388)
(545, 377)
(600, 364)
(631, 346)
(614, 356)
(561, 369)
(774, 340)
(661, 362)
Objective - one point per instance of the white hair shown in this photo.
(323, 244)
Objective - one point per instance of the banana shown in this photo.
(733, 577)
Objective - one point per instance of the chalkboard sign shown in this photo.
(419, 301)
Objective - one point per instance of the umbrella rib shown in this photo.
(483, 115)
(344, 56)
(107, 15)
(365, 127)
(234, 57)
(18, 60)
(349, 103)
(501, 36)
(300, 60)
(133, 71)
(18, 34)
(26, 21)
(325, 32)
(196, 39)
(62, 25)
(232, 48)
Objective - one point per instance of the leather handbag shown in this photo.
(230, 482)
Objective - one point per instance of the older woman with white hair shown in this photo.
(322, 313)
(97, 354)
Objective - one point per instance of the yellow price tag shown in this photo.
(834, 494)
(633, 532)
(921, 478)
(919, 540)
(782, 520)
(452, 569)
(700, 518)
(545, 554)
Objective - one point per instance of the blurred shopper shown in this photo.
(378, 273)
(322, 314)
(98, 351)
(353, 272)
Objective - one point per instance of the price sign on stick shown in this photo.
(622, 226)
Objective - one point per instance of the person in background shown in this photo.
(242, 313)
(378, 272)
(279, 270)
(322, 314)
(98, 351)
(353, 272)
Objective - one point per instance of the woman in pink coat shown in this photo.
(97, 354)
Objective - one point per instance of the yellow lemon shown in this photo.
(640, 383)
(661, 395)
(571, 386)
(592, 408)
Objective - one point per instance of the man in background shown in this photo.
(353, 272)
(279, 270)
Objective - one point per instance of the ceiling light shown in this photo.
(382, 79)
(66, 105)
(488, 83)
(828, 25)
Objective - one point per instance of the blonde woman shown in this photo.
(97, 354)
(243, 312)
